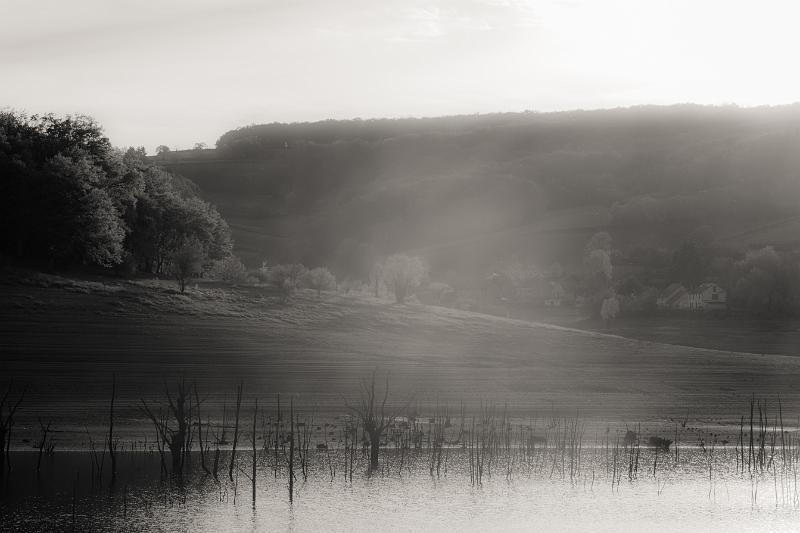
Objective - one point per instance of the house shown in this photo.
(706, 297)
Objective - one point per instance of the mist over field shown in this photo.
(628, 277)
(390, 266)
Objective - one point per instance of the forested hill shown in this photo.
(469, 190)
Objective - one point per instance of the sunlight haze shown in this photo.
(181, 72)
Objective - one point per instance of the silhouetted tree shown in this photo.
(403, 274)
(68, 197)
(320, 279)
(286, 278)
(374, 416)
(768, 283)
(8, 409)
(187, 262)
(174, 437)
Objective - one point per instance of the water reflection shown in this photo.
(690, 496)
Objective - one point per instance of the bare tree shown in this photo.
(373, 416)
(403, 274)
(112, 443)
(255, 451)
(376, 278)
(235, 431)
(203, 445)
(42, 443)
(7, 423)
(175, 438)
(219, 440)
(291, 450)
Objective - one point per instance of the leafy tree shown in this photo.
(402, 274)
(320, 279)
(166, 216)
(230, 269)
(162, 149)
(84, 225)
(599, 264)
(68, 197)
(599, 270)
(287, 278)
(609, 309)
(768, 283)
(186, 262)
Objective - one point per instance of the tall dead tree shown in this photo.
(235, 431)
(255, 450)
(291, 450)
(112, 443)
(176, 438)
(277, 435)
(7, 411)
(219, 440)
(200, 431)
(373, 416)
(42, 444)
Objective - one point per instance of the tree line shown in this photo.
(69, 198)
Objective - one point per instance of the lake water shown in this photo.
(533, 494)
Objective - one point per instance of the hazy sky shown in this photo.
(177, 72)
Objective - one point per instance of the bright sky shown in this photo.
(177, 72)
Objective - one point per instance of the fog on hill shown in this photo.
(684, 191)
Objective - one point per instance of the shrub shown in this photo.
(231, 270)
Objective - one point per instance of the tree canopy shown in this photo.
(68, 197)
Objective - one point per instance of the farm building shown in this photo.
(707, 296)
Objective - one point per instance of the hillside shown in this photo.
(66, 337)
(467, 190)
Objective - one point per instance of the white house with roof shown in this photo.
(706, 297)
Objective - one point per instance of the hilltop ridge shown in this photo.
(313, 192)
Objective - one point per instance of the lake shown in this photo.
(704, 491)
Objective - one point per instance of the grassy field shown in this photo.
(66, 338)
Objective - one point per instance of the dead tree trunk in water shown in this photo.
(235, 431)
(374, 418)
(200, 431)
(291, 450)
(219, 440)
(42, 444)
(6, 424)
(253, 441)
(176, 438)
(112, 445)
(277, 435)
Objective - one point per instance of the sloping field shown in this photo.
(65, 340)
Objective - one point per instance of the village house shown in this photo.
(706, 297)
